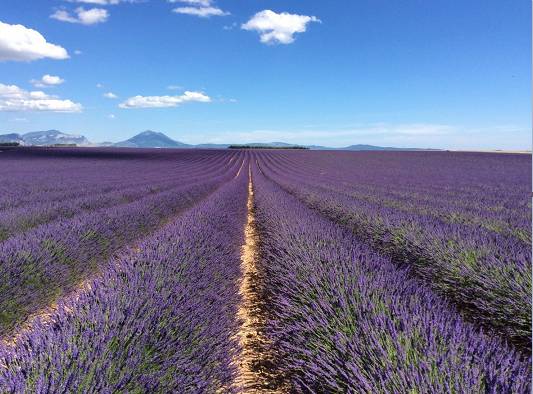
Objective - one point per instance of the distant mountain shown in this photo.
(52, 137)
(12, 137)
(151, 139)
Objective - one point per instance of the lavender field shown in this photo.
(275, 271)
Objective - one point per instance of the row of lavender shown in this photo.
(35, 175)
(161, 317)
(158, 319)
(41, 265)
(127, 182)
(344, 318)
(487, 273)
(483, 190)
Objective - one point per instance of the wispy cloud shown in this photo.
(203, 12)
(82, 16)
(174, 87)
(230, 27)
(274, 28)
(411, 129)
(201, 8)
(415, 135)
(13, 98)
(370, 133)
(222, 99)
(19, 43)
(164, 101)
(110, 95)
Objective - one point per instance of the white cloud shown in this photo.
(78, 52)
(99, 85)
(111, 116)
(19, 43)
(164, 101)
(110, 95)
(63, 16)
(202, 12)
(13, 98)
(18, 120)
(47, 81)
(52, 80)
(83, 16)
(201, 8)
(278, 28)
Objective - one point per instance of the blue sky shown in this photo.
(443, 74)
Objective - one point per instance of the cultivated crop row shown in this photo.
(486, 273)
(341, 272)
(40, 176)
(40, 265)
(475, 189)
(96, 196)
(344, 318)
(160, 318)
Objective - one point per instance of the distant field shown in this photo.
(138, 270)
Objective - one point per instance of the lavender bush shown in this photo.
(376, 272)
(346, 319)
(40, 265)
(161, 319)
(487, 273)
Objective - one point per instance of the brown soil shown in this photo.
(254, 363)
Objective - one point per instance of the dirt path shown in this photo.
(254, 362)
